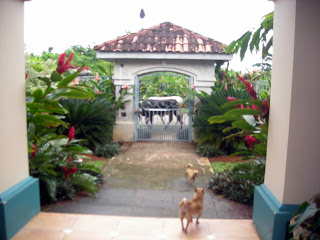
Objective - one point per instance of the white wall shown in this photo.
(13, 144)
(293, 160)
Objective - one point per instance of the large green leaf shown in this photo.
(243, 125)
(261, 149)
(47, 120)
(65, 82)
(46, 80)
(224, 118)
(244, 44)
(72, 92)
(240, 112)
(37, 95)
(245, 102)
(55, 76)
(310, 211)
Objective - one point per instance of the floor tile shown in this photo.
(52, 221)
(38, 234)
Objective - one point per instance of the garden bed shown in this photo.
(224, 159)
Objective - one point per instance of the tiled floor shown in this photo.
(60, 226)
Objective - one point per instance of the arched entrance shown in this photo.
(163, 107)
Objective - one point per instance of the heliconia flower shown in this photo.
(232, 98)
(241, 106)
(71, 133)
(63, 65)
(250, 140)
(249, 87)
(34, 148)
(254, 107)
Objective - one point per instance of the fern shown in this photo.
(85, 182)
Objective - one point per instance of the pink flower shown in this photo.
(69, 159)
(126, 86)
(96, 77)
(226, 87)
(71, 133)
(63, 65)
(232, 99)
(75, 81)
(97, 91)
(26, 76)
(249, 87)
(250, 140)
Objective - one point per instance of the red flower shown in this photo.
(125, 86)
(34, 148)
(69, 171)
(26, 75)
(250, 140)
(69, 159)
(71, 133)
(249, 87)
(63, 65)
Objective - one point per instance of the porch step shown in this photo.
(62, 226)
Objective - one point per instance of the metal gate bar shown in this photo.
(161, 124)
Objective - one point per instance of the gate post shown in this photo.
(136, 106)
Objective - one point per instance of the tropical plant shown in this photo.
(211, 105)
(56, 158)
(237, 183)
(208, 150)
(108, 150)
(255, 39)
(94, 120)
(305, 222)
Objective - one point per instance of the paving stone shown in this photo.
(148, 179)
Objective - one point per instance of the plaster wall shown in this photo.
(13, 140)
(125, 70)
(292, 172)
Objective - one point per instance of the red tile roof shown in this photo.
(165, 37)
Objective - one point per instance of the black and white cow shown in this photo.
(161, 106)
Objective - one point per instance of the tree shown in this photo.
(255, 39)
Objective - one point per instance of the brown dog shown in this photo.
(189, 208)
(192, 174)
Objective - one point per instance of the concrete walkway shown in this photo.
(147, 180)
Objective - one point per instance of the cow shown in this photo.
(161, 106)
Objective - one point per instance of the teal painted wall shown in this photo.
(269, 215)
(17, 206)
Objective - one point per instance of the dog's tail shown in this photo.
(190, 165)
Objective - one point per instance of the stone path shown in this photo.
(147, 179)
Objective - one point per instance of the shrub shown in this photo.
(238, 183)
(108, 150)
(208, 150)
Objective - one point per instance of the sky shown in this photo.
(64, 23)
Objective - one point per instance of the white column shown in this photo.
(13, 135)
(293, 157)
